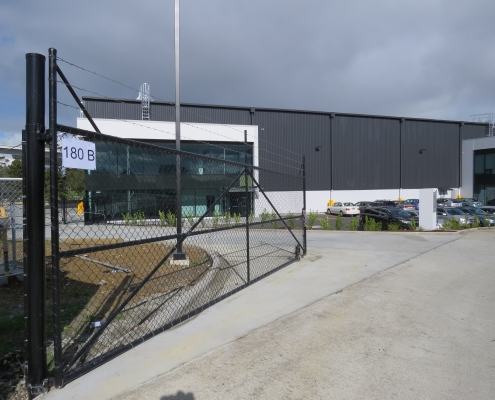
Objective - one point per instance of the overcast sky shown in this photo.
(422, 58)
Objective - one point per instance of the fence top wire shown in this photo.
(162, 149)
(188, 111)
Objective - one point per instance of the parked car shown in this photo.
(387, 203)
(469, 202)
(485, 219)
(363, 205)
(444, 202)
(411, 204)
(456, 203)
(489, 209)
(343, 209)
(387, 216)
(490, 202)
(455, 213)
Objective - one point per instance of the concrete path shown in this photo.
(423, 329)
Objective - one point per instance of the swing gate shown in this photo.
(144, 244)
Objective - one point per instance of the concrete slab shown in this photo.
(335, 261)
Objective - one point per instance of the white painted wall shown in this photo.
(428, 209)
(161, 130)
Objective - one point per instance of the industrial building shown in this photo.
(349, 157)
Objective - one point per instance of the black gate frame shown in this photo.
(34, 139)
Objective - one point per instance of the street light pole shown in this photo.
(179, 254)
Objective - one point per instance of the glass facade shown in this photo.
(484, 176)
(130, 180)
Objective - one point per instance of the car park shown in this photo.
(455, 213)
(484, 218)
(387, 216)
(469, 202)
(411, 204)
(343, 209)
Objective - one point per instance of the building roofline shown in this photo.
(330, 114)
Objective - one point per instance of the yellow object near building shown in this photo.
(3, 213)
(400, 199)
(80, 208)
(330, 202)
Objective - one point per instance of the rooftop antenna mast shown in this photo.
(145, 97)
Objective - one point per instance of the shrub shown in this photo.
(170, 218)
(251, 217)
(237, 218)
(412, 225)
(339, 223)
(265, 216)
(312, 219)
(325, 224)
(226, 218)
(216, 217)
(292, 223)
(372, 225)
(354, 225)
(274, 223)
(161, 215)
(190, 218)
(140, 218)
(394, 226)
(476, 221)
(127, 219)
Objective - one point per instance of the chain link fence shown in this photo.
(11, 228)
(118, 273)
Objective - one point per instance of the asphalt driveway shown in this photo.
(365, 315)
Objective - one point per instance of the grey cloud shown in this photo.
(421, 59)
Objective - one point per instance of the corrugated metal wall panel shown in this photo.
(113, 109)
(284, 137)
(366, 149)
(472, 131)
(438, 165)
(215, 115)
(366, 153)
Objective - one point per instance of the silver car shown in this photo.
(454, 212)
(469, 202)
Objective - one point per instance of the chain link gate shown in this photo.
(114, 275)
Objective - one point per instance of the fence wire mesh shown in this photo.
(11, 226)
(119, 281)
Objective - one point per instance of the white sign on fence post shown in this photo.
(78, 154)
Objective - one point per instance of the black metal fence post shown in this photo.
(304, 203)
(34, 223)
(52, 116)
(248, 208)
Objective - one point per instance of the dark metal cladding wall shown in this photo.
(215, 115)
(112, 109)
(473, 131)
(438, 164)
(161, 112)
(284, 137)
(366, 153)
